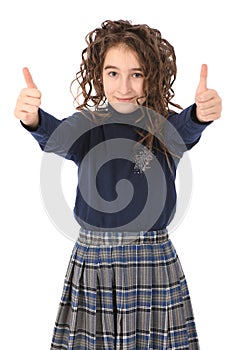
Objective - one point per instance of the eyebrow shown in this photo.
(114, 67)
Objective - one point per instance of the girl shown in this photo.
(124, 287)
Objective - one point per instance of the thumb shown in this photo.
(28, 79)
(202, 86)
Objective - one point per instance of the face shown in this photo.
(123, 79)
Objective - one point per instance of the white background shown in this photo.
(48, 36)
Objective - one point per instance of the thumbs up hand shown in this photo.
(209, 104)
(28, 102)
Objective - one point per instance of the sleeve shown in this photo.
(182, 131)
(63, 137)
(46, 127)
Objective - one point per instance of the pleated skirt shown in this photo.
(125, 291)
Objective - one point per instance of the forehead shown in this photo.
(122, 55)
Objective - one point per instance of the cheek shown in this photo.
(108, 87)
(143, 87)
(141, 90)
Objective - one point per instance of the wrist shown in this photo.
(31, 124)
(195, 117)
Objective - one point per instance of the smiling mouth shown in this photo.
(129, 99)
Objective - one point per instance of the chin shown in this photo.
(124, 107)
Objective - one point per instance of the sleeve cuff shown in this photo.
(194, 116)
(28, 128)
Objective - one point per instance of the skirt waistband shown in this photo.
(111, 238)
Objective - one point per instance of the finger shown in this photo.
(29, 109)
(207, 95)
(207, 105)
(28, 79)
(202, 86)
(208, 111)
(33, 101)
(30, 92)
(32, 104)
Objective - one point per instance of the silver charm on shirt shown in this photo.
(142, 160)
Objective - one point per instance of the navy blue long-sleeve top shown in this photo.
(121, 185)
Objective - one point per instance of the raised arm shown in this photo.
(184, 129)
(53, 135)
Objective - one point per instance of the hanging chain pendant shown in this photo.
(142, 160)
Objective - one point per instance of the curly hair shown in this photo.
(156, 56)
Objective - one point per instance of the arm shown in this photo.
(182, 131)
(40, 124)
(62, 137)
(44, 128)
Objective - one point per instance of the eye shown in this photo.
(112, 74)
(137, 75)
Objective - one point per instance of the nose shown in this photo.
(124, 85)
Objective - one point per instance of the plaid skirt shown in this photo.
(125, 291)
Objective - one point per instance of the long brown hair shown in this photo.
(157, 58)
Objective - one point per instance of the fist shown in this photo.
(209, 104)
(28, 102)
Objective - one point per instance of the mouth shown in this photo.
(128, 99)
